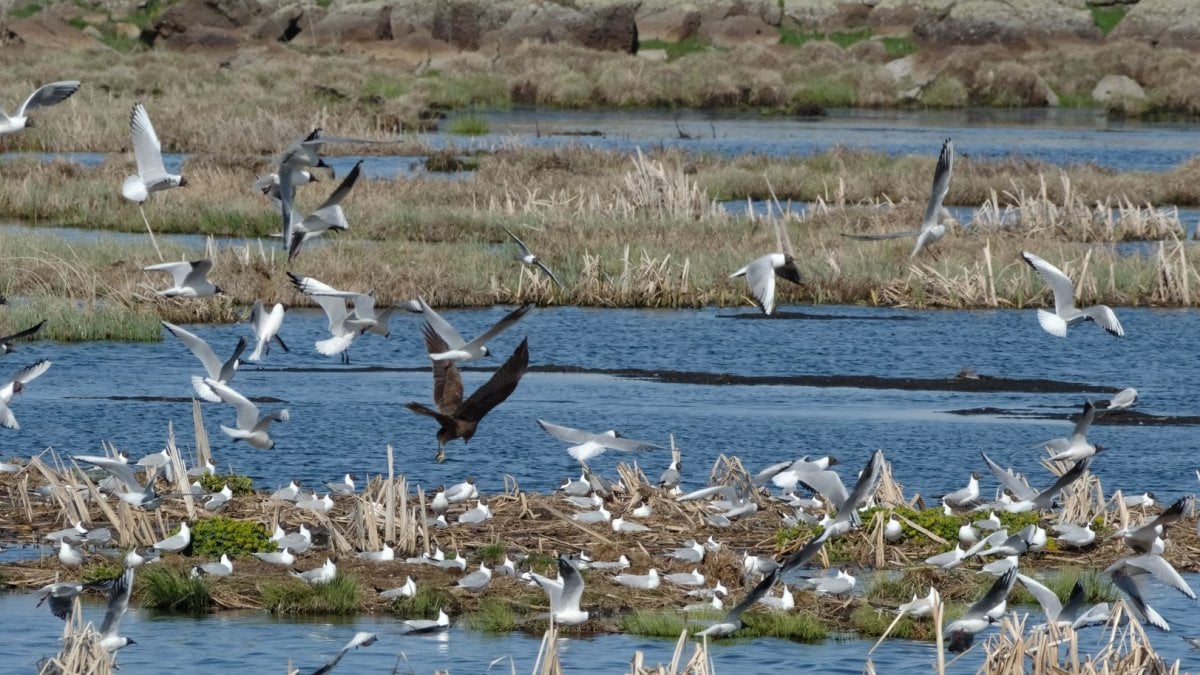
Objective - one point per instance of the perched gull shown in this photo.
(219, 500)
(386, 554)
(477, 515)
(134, 560)
(118, 602)
(319, 575)
(283, 557)
(478, 580)
(947, 560)
(15, 386)
(528, 258)
(408, 590)
(964, 498)
(761, 272)
(419, 626)
(919, 607)
(360, 639)
(176, 542)
(266, 328)
(588, 444)
(691, 552)
(931, 230)
(733, 620)
(453, 346)
(250, 427)
(1074, 535)
(458, 418)
(1065, 313)
(986, 611)
(564, 594)
(1144, 500)
(43, 97)
(670, 477)
(322, 504)
(621, 525)
(343, 489)
(1126, 398)
(221, 371)
(7, 342)
(838, 583)
(221, 568)
(68, 554)
(461, 492)
(600, 515)
(299, 541)
(152, 176)
(75, 533)
(621, 563)
(1076, 447)
(893, 531)
(289, 493)
(647, 581)
(693, 578)
(785, 601)
(190, 278)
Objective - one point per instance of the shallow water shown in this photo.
(259, 642)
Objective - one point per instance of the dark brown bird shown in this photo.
(460, 418)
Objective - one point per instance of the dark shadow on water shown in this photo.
(168, 399)
(808, 316)
(1116, 418)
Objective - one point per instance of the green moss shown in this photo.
(468, 125)
(1068, 99)
(240, 485)
(652, 624)
(423, 605)
(214, 536)
(110, 569)
(173, 590)
(676, 50)
(340, 596)
(1107, 18)
(494, 615)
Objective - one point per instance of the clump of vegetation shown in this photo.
(102, 571)
(468, 125)
(213, 536)
(173, 590)
(788, 625)
(494, 615)
(447, 161)
(1107, 18)
(678, 49)
(652, 623)
(491, 553)
(340, 596)
(872, 621)
(424, 604)
(240, 485)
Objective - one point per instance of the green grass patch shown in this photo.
(424, 604)
(492, 553)
(1107, 18)
(494, 615)
(843, 39)
(1076, 100)
(240, 485)
(468, 125)
(676, 50)
(110, 569)
(898, 46)
(871, 621)
(339, 596)
(218, 535)
(652, 623)
(173, 590)
(26, 11)
(70, 320)
(383, 86)
(830, 92)
(787, 625)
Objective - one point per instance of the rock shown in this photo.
(461, 23)
(356, 22)
(1118, 89)
(827, 15)
(906, 13)
(652, 54)
(49, 32)
(1170, 23)
(92, 32)
(224, 15)
(909, 72)
(415, 48)
(1013, 22)
(94, 19)
(127, 31)
(285, 23)
(739, 30)
(612, 28)
(204, 38)
(669, 25)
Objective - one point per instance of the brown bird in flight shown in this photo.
(460, 418)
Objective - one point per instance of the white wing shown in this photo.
(760, 274)
(941, 185)
(1045, 597)
(1060, 284)
(441, 326)
(520, 244)
(179, 271)
(198, 274)
(199, 347)
(247, 412)
(120, 470)
(1103, 315)
(566, 434)
(146, 148)
(118, 602)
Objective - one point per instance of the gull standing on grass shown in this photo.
(1065, 313)
(221, 371)
(266, 328)
(588, 444)
(761, 272)
(250, 427)
(931, 230)
(458, 349)
(221, 568)
(528, 258)
(190, 278)
(319, 575)
(7, 342)
(43, 97)
(15, 386)
(478, 580)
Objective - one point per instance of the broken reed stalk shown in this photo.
(179, 472)
(547, 662)
(81, 653)
(203, 450)
(389, 532)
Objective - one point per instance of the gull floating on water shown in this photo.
(266, 328)
(250, 427)
(42, 97)
(761, 272)
(15, 386)
(420, 626)
(221, 371)
(454, 347)
(190, 279)
(1065, 313)
(152, 176)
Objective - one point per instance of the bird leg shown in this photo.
(346, 357)
(441, 453)
(152, 239)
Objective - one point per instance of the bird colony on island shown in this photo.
(826, 501)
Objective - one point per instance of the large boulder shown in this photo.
(1012, 22)
(1171, 23)
(286, 22)
(739, 30)
(770, 11)
(827, 15)
(611, 28)
(1118, 89)
(608, 26)
(49, 32)
(225, 15)
(906, 13)
(671, 24)
(353, 22)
